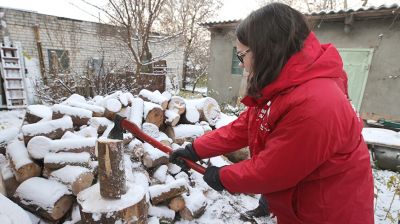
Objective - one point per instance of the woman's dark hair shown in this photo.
(273, 33)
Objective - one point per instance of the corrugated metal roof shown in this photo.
(341, 11)
(320, 13)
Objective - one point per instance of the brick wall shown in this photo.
(83, 40)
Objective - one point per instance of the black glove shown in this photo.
(187, 152)
(211, 177)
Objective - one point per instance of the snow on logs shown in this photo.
(53, 129)
(40, 146)
(154, 97)
(24, 167)
(35, 113)
(153, 113)
(162, 192)
(12, 213)
(79, 116)
(208, 108)
(76, 178)
(49, 198)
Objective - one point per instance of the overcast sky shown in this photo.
(77, 9)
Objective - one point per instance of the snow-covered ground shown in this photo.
(225, 208)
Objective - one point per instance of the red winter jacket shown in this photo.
(308, 157)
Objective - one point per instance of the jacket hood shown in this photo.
(315, 60)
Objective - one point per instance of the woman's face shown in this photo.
(245, 53)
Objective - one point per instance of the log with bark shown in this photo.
(153, 157)
(171, 118)
(53, 129)
(9, 182)
(195, 205)
(24, 168)
(100, 123)
(153, 113)
(79, 116)
(191, 116)
(111, 172)
(98, 111)
(35, 113)
(40, 146)
(154, 98)
(163, 213)
(113, 106)
(177, 204)
(76, 178)
(130, 208)
(163, 192)
(184, 133)
(54, 161)
(47, 198)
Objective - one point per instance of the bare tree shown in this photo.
(134, 21)
(312, 5)
(185, 16)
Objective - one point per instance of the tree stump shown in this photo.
(130, 208)
(111, 168)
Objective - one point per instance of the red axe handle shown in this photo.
(137, 132)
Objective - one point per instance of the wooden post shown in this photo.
(111, 168)
(40, 53)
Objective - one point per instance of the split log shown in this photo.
(184, 133)
(163, 192)
(54, 161)
(35, 113)
(48, 198)
(53, 129)
(153, 113)
(163, 213)
(153, 157)
(9, 182)
(100, 123)
(75, 177)
(195, 205)
(171, 118)
(208, 108)
(177, 104)
(154, 98)
(111, 173)
(12, 213)
(79, 116)
(130, 208)
(177, 204)
(137, 111)
(39, 146)
(135, 150)
(24, 168)
(97, 111)
(113, 106)
(151, 129)
(191, 115)
(160, 174)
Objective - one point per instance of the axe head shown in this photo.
(117, 132)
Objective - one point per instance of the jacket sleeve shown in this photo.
(223, 140)
(295, 148)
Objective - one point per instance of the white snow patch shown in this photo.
(12, 213)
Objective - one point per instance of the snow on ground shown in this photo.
(225, 208)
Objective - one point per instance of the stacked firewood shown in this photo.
(62, 161)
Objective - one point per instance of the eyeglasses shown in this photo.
(240, 55)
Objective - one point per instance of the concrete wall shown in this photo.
(222, 85)
(83, 41)
(382, 92)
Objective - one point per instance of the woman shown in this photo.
(308, 157)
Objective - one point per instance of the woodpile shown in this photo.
(62, 163)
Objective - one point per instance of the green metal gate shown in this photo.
(357, 63)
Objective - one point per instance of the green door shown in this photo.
(357, 62)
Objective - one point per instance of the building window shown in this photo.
(58, 60)
(236, 69)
